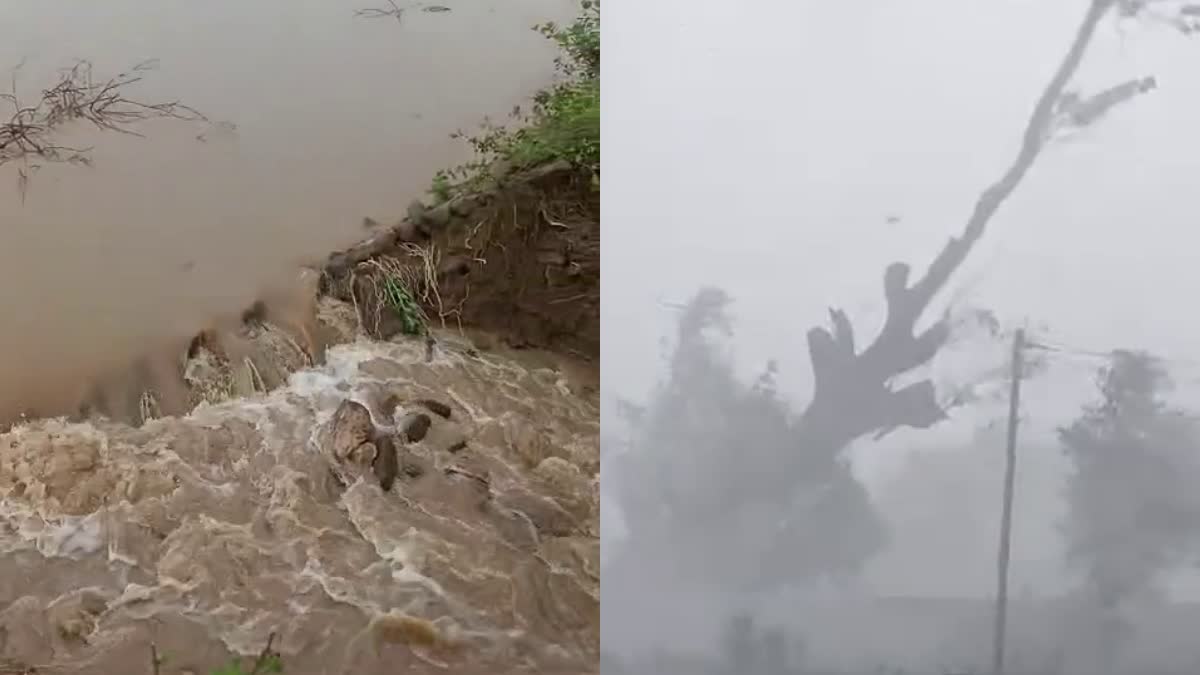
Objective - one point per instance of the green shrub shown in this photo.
(564, 122)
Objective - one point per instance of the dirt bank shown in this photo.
(521, 261)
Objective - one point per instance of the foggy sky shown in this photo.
(760, 146)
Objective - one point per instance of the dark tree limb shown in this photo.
(853, 392)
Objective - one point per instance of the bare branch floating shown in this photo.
(27, 136)
(394, 11)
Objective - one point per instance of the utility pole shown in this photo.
(1014, 403)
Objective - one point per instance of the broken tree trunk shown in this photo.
(853, 393)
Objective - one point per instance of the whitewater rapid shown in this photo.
(206, 534)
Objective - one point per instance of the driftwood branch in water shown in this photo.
(78, 97)
(394, 11)
(28, 135)
(853, 395)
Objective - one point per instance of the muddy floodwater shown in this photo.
(207, 534)
(320, 117)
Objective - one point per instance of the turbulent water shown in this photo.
(205, 535)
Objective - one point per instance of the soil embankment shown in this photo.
(521, 261)
(207, 498)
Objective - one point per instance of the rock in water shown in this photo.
(414, 426)
(352, 426)
(353, 443)
(386, 463)
(436, 407)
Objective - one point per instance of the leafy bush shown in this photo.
(564, 123)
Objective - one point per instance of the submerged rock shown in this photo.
(436, 407)
(385, 464)
(350, 427)
(414, 426)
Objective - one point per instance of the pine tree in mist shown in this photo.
(702, 450)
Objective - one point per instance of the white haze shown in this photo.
(764, 151)
(788, 142)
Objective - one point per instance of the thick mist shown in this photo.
(809, 480)
(337, 117)
(897, 569)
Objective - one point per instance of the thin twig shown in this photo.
(264, 656)
(378, 13)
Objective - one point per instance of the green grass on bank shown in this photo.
(563, 124)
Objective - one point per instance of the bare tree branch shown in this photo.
(1083, 112)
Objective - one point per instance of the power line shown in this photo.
(1045, 346)
(1058, 347)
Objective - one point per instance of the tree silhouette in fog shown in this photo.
(854, 381)
(1133, 506)
(728, 485)
(751, 649)
(703, 448)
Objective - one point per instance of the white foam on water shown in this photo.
(221, 525)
